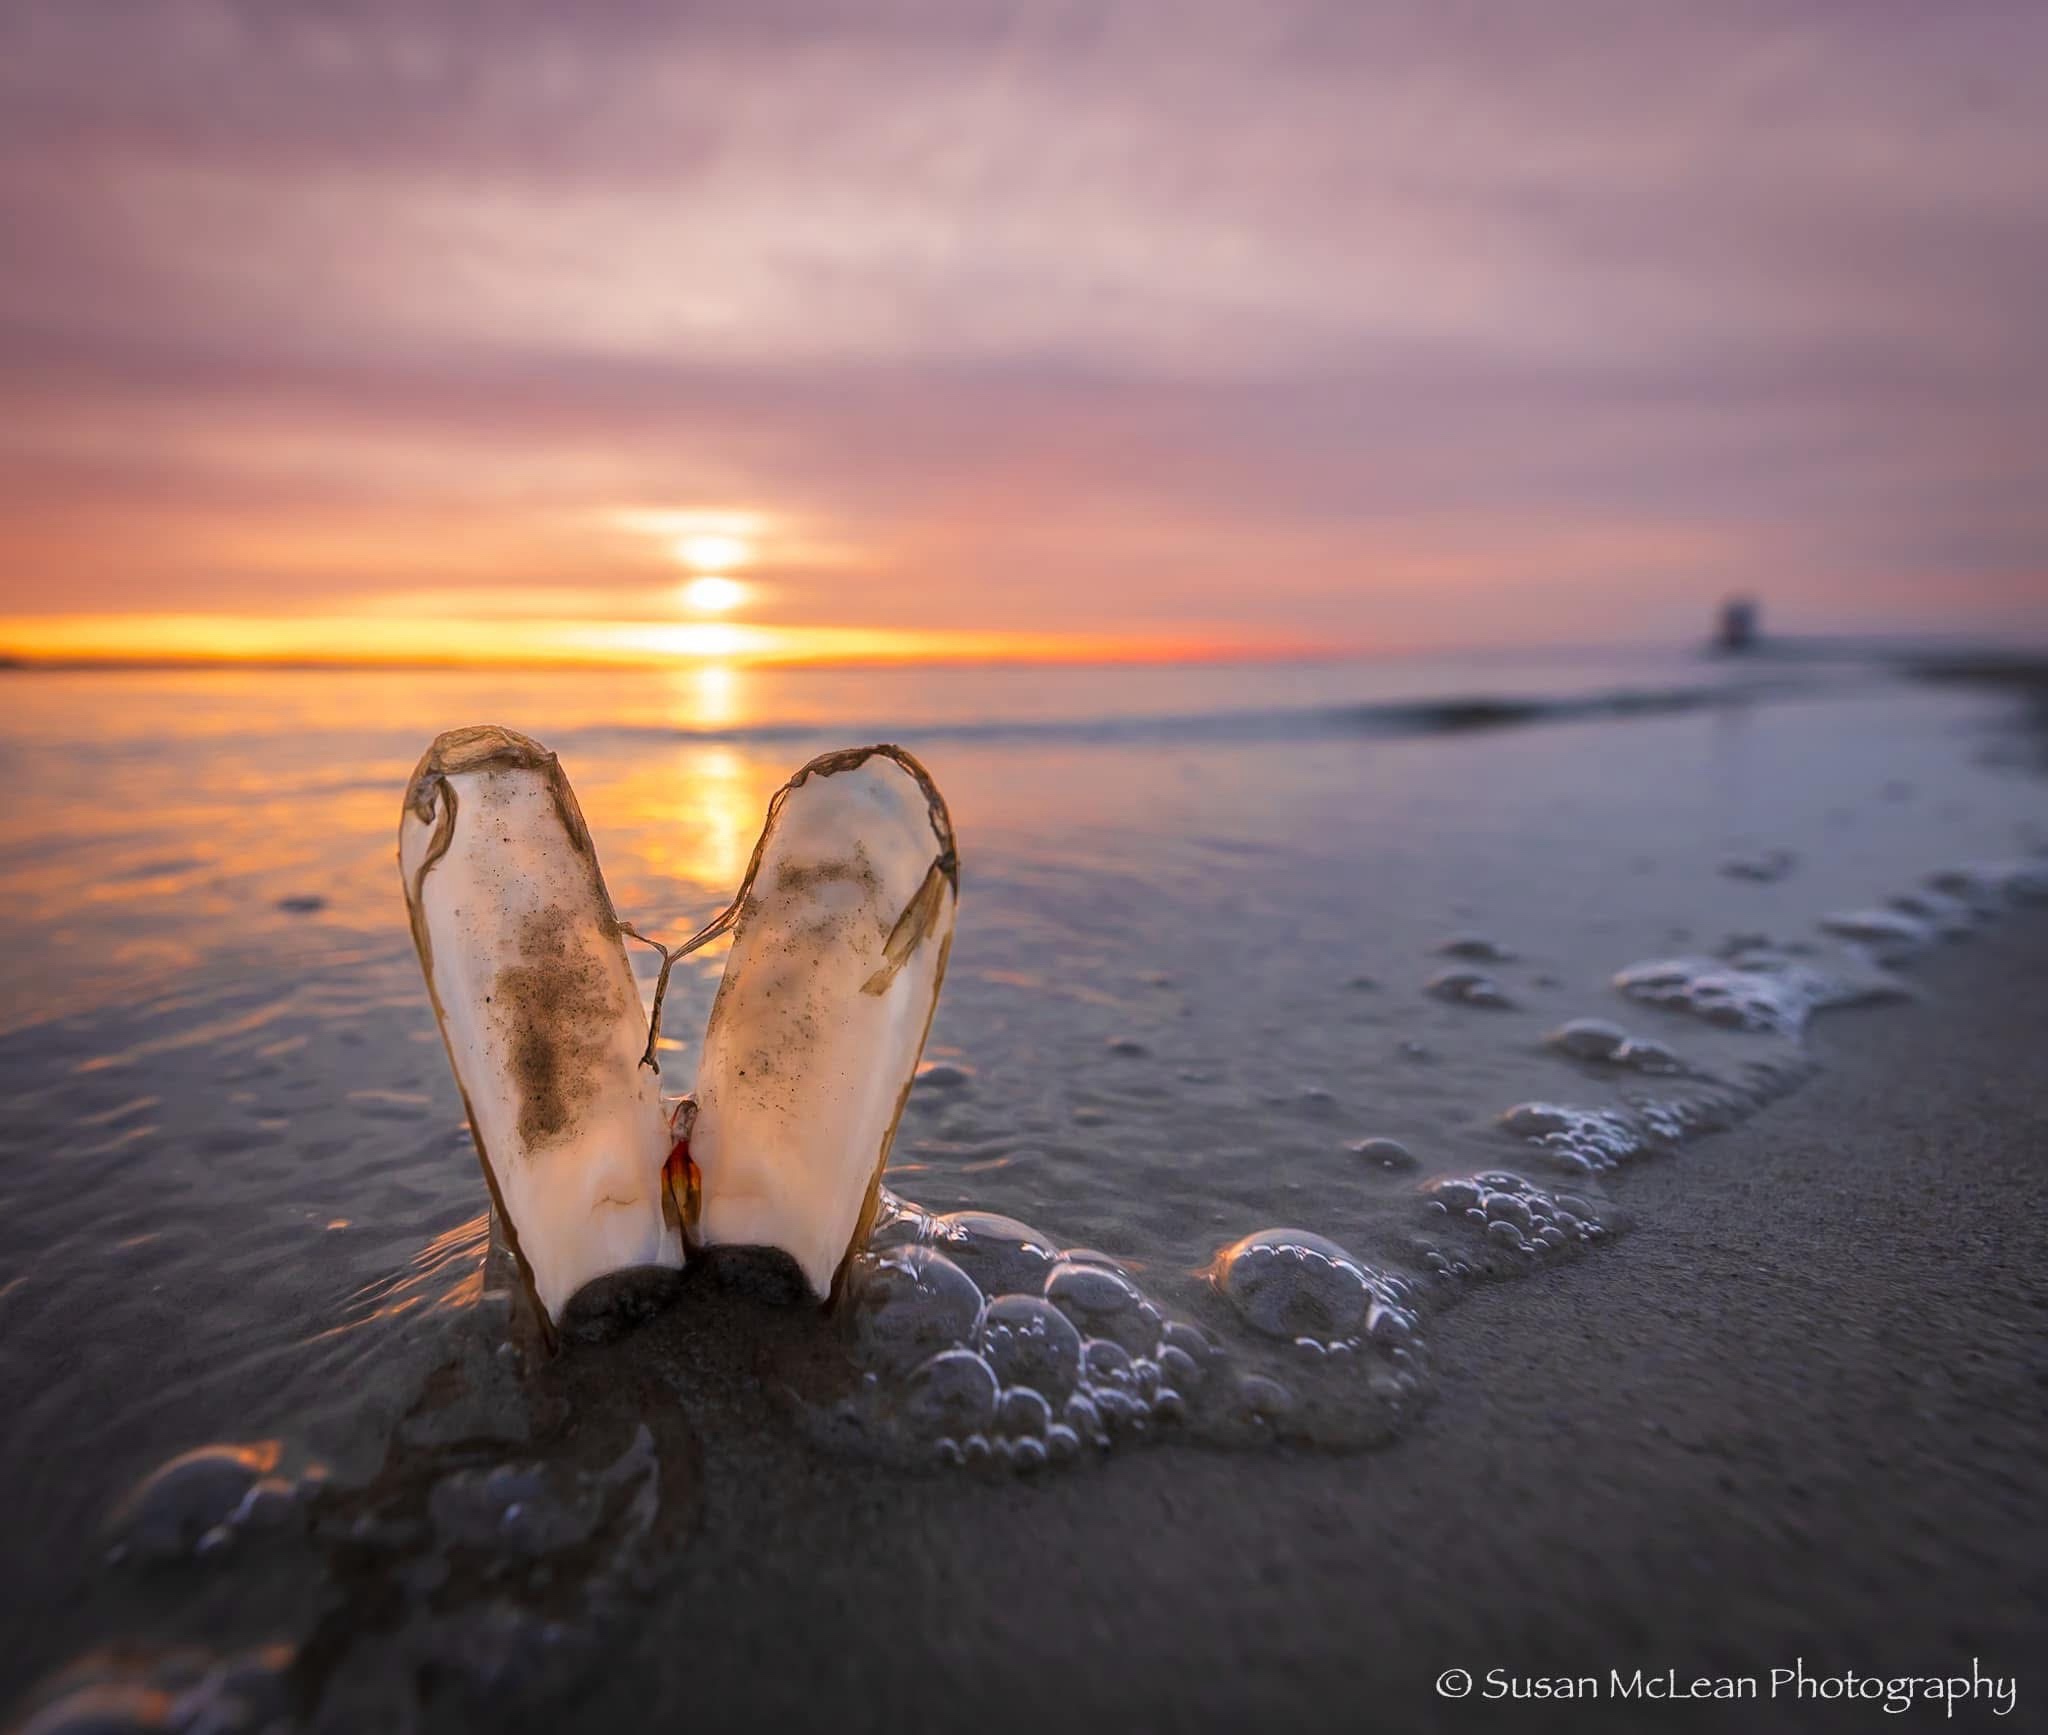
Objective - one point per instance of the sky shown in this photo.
(930, 327)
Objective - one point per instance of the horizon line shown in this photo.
(305, 642)
(14, 663)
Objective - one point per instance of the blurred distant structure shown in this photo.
(1738, 625)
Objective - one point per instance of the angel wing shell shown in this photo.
(841, 931)
(538, 1007)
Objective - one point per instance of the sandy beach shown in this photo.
(1807, 1427)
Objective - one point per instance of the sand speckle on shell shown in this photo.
(553, 1011)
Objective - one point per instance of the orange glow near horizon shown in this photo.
(369, 640)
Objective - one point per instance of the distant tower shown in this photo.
(1738, 630)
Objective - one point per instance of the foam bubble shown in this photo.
(1389, 1154)
(1294, 1284)
(906, 1304)
(1101, 1301)
(1029, 1342)
(1499, 1213)
(1264, 1399)
(1107, 1366)
(1022, 1413)
(1469, 988)
(950, 1396)
(1179, 1369)
(1197, 1352)
(1026, 1454)
(1477, 948)
(196, 1501)
(1001, 1254)
(1578, 1139)
(1758, 990)
(1589, 1039)
(1891, 930)
(1084, 1420)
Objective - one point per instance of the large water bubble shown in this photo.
(1002, 1255)
(1029, 1342)
(1600, 1042)
(951, 1396)
(1469, 988)
(906, 1304)
(1103, 1302)
(1293, 1284)
(1479, 948)
(1389, 1154)
(198, 1500)
(1022, 1413)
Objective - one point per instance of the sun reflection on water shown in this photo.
(708, 696)
(714, 801)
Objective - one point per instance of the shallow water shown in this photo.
(1271, 1033)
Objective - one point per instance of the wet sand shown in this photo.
(1808, 1426)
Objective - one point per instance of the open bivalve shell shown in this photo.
(539, 1010)
(840, 932)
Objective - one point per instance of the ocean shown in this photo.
(1287, 1004)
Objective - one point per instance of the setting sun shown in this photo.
(712, 553)
(713, 594)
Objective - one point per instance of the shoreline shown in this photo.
(1794, 1416)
